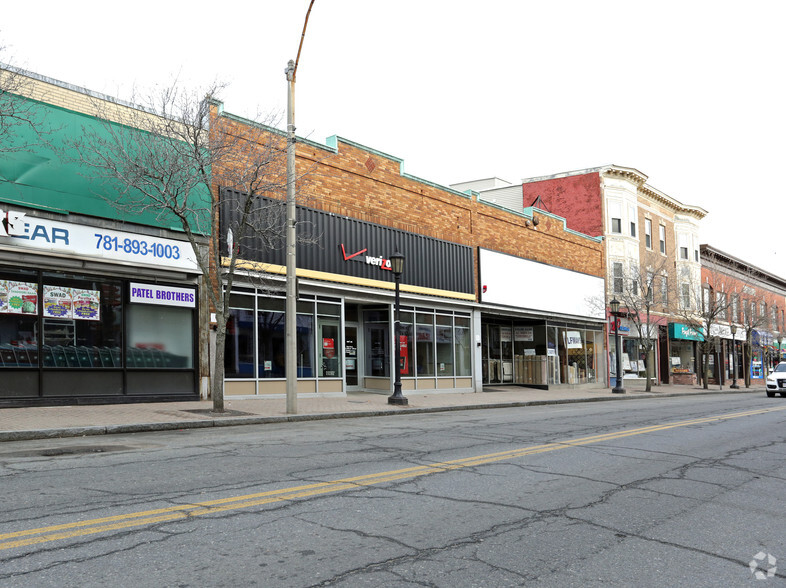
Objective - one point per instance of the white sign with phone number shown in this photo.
(118, 246)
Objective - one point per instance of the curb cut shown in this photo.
(86, 431)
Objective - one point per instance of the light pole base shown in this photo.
(734, 387)
(618, 390)
(398, 400)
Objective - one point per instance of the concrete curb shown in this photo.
(232, 421)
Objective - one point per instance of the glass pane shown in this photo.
(82, 322)
(463, 356)
(239, 350)
(18, 341)
(407, 345)
(330, 364)
(158, 337)
(444, 336)
(377, 357)
(305, 346)
(425, 350)
(270, 345)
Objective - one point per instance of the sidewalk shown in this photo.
(17, 424)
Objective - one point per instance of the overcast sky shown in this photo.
(690, 93)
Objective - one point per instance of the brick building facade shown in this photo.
(522, 319)
(651, 246)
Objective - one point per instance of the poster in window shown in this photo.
(573, 339)
(58, 302)
(505, 334)
(87, 304)
(19, 298)
(524, 333)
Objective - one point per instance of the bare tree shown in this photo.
(17, 111)
(643, 294)
(174, 158)
(704, 305)
(752, 319)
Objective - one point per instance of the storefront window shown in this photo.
(81, 322)
(682, 359)
(407, 344)
(424, 346)
(377, 344)
(270, 343)
(444, 337)
(330, 340)
(18, 319)
(159, 337)
(463, 342)
(239, 354)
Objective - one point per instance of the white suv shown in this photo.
(776, 381)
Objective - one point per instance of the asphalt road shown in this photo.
(661, 492)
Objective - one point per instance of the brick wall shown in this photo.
(575, 198)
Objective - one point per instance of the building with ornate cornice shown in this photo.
(651, 255)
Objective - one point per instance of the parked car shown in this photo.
(776, 381)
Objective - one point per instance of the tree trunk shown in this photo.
(217, 383)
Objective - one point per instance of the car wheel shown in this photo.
(770, 394)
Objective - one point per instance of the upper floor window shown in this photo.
(648, 233)
(618, 279)
(682, 239)
(632, 218)
(662, 233)
(735, 307)
(685, 295)
(615, 214)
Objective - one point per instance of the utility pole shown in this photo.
(291, 222)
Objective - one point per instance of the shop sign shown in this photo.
(22, 230)
(524, 333)
(680, 331)
(616, 323)
(162, 295)
(573, 340)
(380, 262)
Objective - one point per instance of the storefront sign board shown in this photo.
(162, 295)
(25, 231)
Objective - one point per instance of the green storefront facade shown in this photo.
(96, 304)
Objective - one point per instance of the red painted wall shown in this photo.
(575, 198)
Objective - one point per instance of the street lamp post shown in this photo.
(615, 311)
(780, 342)
(397, 266)
(734, 357)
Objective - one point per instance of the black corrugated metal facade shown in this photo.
(350, 247)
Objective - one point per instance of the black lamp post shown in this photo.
(780, 342)
(734, 356)
(614, 305)
(397, 266)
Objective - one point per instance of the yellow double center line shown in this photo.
(175, 513)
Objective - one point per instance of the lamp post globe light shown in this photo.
(734, 356)
(614, 305)
(397, 267)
